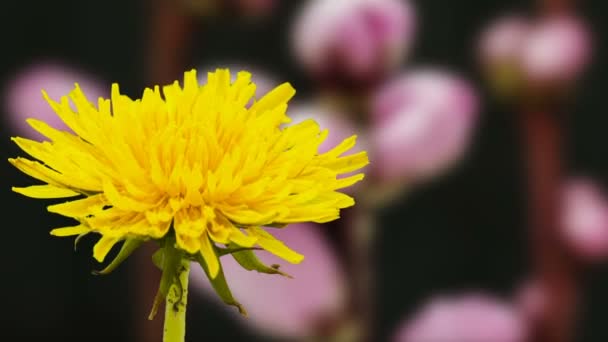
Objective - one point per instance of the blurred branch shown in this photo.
(168, 41)
(554, 268)
(361, 255)
(555, 6)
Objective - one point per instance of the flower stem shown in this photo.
(175, 305)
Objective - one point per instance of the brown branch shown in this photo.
(169, 39)
(555, 6)
(555, 269)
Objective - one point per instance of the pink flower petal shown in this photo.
(504, 39)
(585, 219)
(359, 37)
(24, 94)
(557, 50)
(282, 306)
(470, 318)
(422, 124)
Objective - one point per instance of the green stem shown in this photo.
(175, 305)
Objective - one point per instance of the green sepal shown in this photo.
(168, 259)
(77, 240)
(128, 247)
(249, 261)
(220, 285)
(231, 249)
(157, 258)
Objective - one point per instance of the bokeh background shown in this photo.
(444, 211)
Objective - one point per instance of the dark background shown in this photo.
(464, 231)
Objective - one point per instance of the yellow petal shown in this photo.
(69, 231)
(217, 225)
(44, 129)
(217, 233)
(208, 253)
(189, 226)
(238, 237)
(190, 80)
(348, 163)
(64, 112)
(103, 246)
(248, 216)
(342, 147)
(79, 208)
(37, 170)
(159, 230)
(274, 98)
(188, 243)
(348, 181)
(121, 201)
(188, 221)
(276, 247)
(45, 191)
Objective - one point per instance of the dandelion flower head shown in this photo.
(196, 161)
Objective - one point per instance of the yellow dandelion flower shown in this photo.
(195, 165)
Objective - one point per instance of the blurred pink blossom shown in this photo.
(282, 306)
(24, 99)
(469, 318)
(557, 49)
(503, 40)
(585, 218)
(354, 39)
(422, 123)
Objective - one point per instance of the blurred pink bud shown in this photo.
(585, 219)
(422, 124)
(470, 318)
(24, 94)
(502, 42)
(278, 305)
(557, 50)
(353, 39)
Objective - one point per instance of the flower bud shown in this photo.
(557, 50)
(502, 42)
(24, 94)
(585, 219)
(421, 124)
(471, 318)
(499, 52)
(358, 40)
